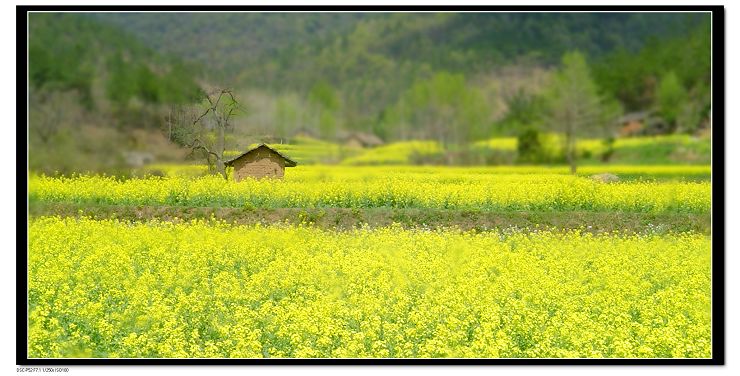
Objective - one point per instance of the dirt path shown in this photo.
(341, 218)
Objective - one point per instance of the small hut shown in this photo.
(632, 124)
(361, 140)
(643, 123)
(260, 162)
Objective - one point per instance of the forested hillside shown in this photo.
(449, 77)
(356, 68)
(228, 44)
(68, 51)
(91, 85)
(295, 50)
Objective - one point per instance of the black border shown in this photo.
(718, 189)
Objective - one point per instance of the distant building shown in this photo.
(642, 123)
(361, 140)
(260, 162)
(632, 124)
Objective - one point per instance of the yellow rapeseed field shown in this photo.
(398, 153)
(374, 187)
(207, 289)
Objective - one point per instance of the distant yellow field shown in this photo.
(431, 187)
(398, 153)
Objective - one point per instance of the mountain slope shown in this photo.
(100, 62)
(225, 44)
(281, 50)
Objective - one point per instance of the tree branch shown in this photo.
(197, 144)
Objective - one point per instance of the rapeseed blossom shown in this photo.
(372, 188)
(108, 288)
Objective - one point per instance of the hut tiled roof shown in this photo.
(366, 139)
(369, 139)
(288, 162)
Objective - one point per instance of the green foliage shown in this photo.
(371, 60)
(576, 108)
(632, 77)
(524, 109)
(286, 115)
(573, 94)
(60, 53)
(253, 45)
(324, 95)
(670, 97)
(296, 50)
(110, 82)
(326, 101)
(129, 81)
(73, 52)
(608, 152)
(401, 76)
(529, 147)
(444, 108)
(524, 112)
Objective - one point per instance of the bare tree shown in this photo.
(204, 132)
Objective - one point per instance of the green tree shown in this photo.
(286, 116)
(524, 113)
(529, 147)
(671, 96)
(575, 105)
(444, 108)
(696, 109)
(632, 76)
(326, 103)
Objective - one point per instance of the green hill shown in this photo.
(73, 52)
(96, 92)
(294, 50)
(363, 63)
